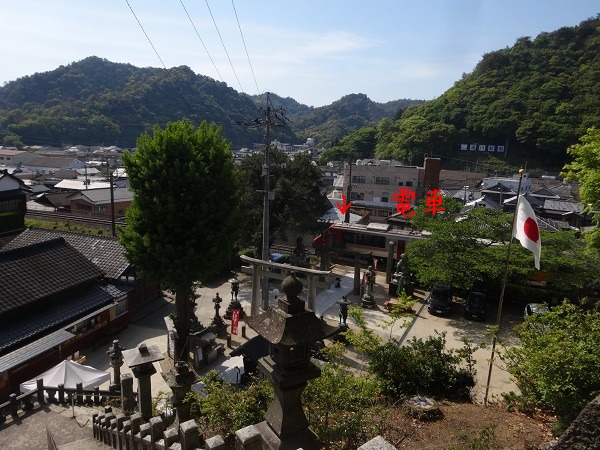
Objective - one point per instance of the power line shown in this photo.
(198, 34)
(162, 62)
(223, 43)
(245, 48)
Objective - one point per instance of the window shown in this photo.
(356, 196)
(121, 307)
(409, 183)
(385, 196)
(101, 208)
(382, 180)
(359, 179)
(400, 183)
(383, 213)
(81, 207)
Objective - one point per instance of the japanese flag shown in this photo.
(527, 230)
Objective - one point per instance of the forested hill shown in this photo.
(344, 116)
(537, 97)
(95, 101)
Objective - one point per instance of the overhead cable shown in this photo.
(224, 48)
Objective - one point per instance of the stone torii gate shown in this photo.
(260, 269)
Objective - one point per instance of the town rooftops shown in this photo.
(102, 196)
(105, 252)
(37, 271)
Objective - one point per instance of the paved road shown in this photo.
(148, 326)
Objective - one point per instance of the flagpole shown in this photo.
(506, 264)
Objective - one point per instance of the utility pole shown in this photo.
(267, 197)
(112, 206)
(269, 121)
(348, 192)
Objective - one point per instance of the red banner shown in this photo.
(235, 320)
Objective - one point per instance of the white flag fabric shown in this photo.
(527, 230)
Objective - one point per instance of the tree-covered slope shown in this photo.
(537, 97)
(331, 122)
(95, 101)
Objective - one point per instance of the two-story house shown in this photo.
(13, 202)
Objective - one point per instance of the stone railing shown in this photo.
(131, 433)
(17, 404)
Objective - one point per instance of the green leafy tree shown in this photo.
(556, 362)
(585, 168)
(464, 250)
(184, 219)
(299, 197)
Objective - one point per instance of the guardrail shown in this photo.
(24, 403)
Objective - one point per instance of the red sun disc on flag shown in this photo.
(531, 229)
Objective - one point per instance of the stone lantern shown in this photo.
(291, 331)
(235, 303)
(180, 379)
(140, 360)
(217, 324)
(116, 361)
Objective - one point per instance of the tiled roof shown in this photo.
(107, 253)
(34, 349)
(55, 199)
(60, 313)
(49, 161)
(103, 195)
(37, 271)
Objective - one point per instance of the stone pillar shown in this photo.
(215, 443)
(127, 401)
(311, 293)
(180, 379)
(390, 262)
(356, 290)
(248, 438)
(143, 374)
(189, 435)
(255, 306)
(40, 391)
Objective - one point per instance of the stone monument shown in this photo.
(368, 301)
(403, 276)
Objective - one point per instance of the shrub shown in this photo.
(556, 362)
(422, 367)
(226, 408)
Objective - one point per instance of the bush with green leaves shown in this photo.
(423, 367)
(225, 408)
(342, 406)
(555, 365)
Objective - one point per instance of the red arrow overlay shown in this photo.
(344, 206)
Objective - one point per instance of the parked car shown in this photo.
(476, 305)
(535, 308)
(439, 300)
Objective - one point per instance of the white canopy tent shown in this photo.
(68, 373)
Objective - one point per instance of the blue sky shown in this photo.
(313, 51)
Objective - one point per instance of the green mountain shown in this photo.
(95, 101)
(342, 117)
(536, 98)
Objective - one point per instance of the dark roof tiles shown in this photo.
(107, 253)
(37, 271)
